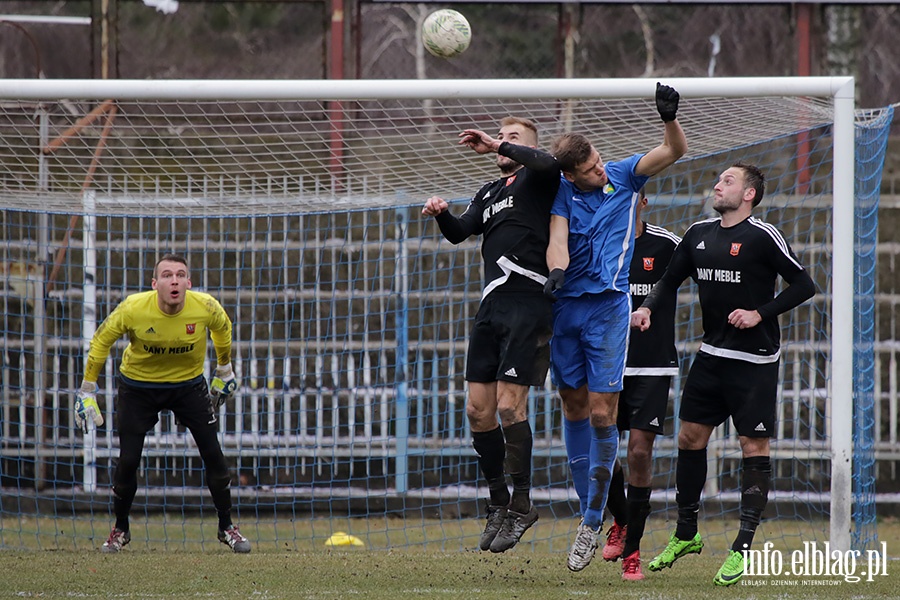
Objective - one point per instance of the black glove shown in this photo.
(555, 281)
(666, 102)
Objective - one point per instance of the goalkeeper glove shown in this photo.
(86, 407)
(555, 281)
(223, 386)
(666, 102)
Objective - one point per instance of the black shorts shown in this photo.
(718, 388)
(510, 339)
(643, 402)
(138, 407)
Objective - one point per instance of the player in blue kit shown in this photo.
(591, 245)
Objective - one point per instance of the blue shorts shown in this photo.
(590, 341)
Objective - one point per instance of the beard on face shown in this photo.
(722, 206)
(507, 165)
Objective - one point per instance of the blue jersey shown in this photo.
(601, 230)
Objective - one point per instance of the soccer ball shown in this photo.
(446, 33)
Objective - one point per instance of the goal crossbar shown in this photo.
(124, 89)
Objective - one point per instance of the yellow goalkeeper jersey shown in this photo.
(162, 348)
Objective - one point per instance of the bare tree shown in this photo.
(647, 31)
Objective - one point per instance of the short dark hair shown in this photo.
(753, 178)
(570, 150)
(526, 123)
(171, 258)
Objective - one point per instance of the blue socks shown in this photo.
(604, 450)
(578, 448)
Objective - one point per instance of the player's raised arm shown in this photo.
(454, 229)
(479, 141)
(674, 144)
(513, 147)
(529, 156)
(434, 206)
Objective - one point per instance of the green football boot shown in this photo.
(674, 550)
(732, 570)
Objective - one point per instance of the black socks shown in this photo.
(491, 450)
(519, 444)
(690, 477)
(756, 472)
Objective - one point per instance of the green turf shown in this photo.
(306, 568)
(379, 574)
(175, 533)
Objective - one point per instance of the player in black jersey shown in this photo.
(652, 362)
(735, 261)
(509, 342)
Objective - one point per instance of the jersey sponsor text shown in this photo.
(496, 207)
(640, 289)
(170, 350)
(720, 275)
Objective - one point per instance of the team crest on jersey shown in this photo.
(190, 328)
(735, 248)
(648, 263)
(509, 181)
(608, 188)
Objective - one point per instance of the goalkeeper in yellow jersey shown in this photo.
(162, 369)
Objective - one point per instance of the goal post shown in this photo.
(351, 312)
(842, 329)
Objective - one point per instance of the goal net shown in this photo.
(298, 206)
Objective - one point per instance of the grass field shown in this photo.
(529, 571)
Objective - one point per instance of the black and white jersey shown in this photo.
(652, 352)
(513, 214)
(736, 268)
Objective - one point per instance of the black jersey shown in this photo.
(513, 214)
(652, 352)
(736, 268)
